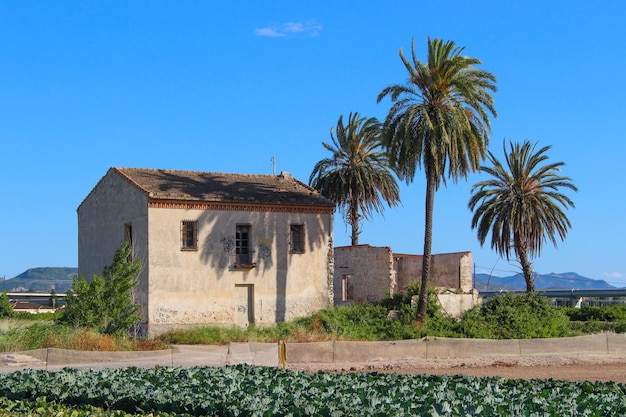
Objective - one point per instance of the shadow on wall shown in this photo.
(256, 246)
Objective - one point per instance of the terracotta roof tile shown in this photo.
(221, 187)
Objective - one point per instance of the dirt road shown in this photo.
(573, 368)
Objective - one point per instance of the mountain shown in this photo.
(42, 280)
(552, 281)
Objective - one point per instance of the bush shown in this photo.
(105, 304)
(438, 323)
(588, 319)
(515, 316)
(361, 321)
(6, 309)
(606, 313)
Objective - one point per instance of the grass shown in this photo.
(20, 335)
(506, 317)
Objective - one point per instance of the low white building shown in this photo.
(215, 248)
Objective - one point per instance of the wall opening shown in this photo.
(347, 288)
(244, 304)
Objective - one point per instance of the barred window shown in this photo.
(296, 238)
(242, 245)
(189, 235)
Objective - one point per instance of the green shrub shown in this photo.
(515, 316)
(606, 313)
(362, 321)
(106, 304)
(438, 323)
(6, 309)
(593, 319)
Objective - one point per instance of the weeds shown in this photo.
(28, 335)
(504, 317)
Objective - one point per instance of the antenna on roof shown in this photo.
(273, 159)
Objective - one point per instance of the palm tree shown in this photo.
(439, 120)
(521, 205)
(357, 177)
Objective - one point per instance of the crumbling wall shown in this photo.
(452, 271)
(365, 272)
(362, 273)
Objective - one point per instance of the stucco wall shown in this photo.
(103, 218)
(202, 287)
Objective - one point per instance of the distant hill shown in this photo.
(566, 280)
(42, 280)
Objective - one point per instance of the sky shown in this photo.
(229, 86)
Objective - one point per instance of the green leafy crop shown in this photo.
(245, 390)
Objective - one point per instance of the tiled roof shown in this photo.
(220, 187)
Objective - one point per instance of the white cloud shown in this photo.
(269, 32)
(615, 275)
(308, 28)
(293, 27)
(615, 278)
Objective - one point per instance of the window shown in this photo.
(189, 235)
(242, 245)
(128, 236)
(296, 238)
(128, 233)
(347, 293)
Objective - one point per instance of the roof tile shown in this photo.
(222, 187)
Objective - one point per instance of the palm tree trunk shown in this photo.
(422, 303)
(527, 269)
(354, 221)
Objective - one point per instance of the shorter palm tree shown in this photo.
(357, 177)
(521, 206)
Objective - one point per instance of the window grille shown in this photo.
(242, 245)
(296, 238)
(189, 235)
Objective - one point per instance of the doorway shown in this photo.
(244, 304)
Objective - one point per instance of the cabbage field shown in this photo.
(245, 390)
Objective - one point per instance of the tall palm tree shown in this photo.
(521, 206)
(439, 120)
(357, 177)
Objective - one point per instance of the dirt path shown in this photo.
(573, 368)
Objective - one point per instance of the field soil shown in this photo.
(572, 368)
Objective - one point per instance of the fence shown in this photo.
(280, 354)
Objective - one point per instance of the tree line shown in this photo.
(439, 122)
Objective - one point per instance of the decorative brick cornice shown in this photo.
(219, 206)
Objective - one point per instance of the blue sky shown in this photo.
(226, 86)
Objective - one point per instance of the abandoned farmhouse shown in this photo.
(237, 249)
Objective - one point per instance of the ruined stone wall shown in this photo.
(452, 271)
(367, 269)
(371, 273)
